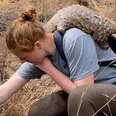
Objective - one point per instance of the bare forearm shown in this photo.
(10, 87)
(3, 95)
(62, 80)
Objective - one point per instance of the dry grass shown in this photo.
(4, 4)
(107, 8)
(18, 104)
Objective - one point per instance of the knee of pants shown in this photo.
(92, 97)
(76, 95)
(51, 105)
(76, 99)
(89, 92)
(86, 93)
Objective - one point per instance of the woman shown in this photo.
(85, 63)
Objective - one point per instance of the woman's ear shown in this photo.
(37, 44)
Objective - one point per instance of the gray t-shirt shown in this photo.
(82, 55)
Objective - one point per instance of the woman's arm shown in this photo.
(64, 82)
(11, 86)
(61, 79)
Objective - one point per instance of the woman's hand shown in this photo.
(45, 65)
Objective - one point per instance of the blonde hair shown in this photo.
(24, 31)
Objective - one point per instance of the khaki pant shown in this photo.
(94, 100)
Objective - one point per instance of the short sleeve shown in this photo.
(81, 56)
(29, 71)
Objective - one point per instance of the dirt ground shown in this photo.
(19, 103)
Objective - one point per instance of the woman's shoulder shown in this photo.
(75, 32)
(74, 35)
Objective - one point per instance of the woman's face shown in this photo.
(35, 56)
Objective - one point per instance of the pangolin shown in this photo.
(86, 20)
